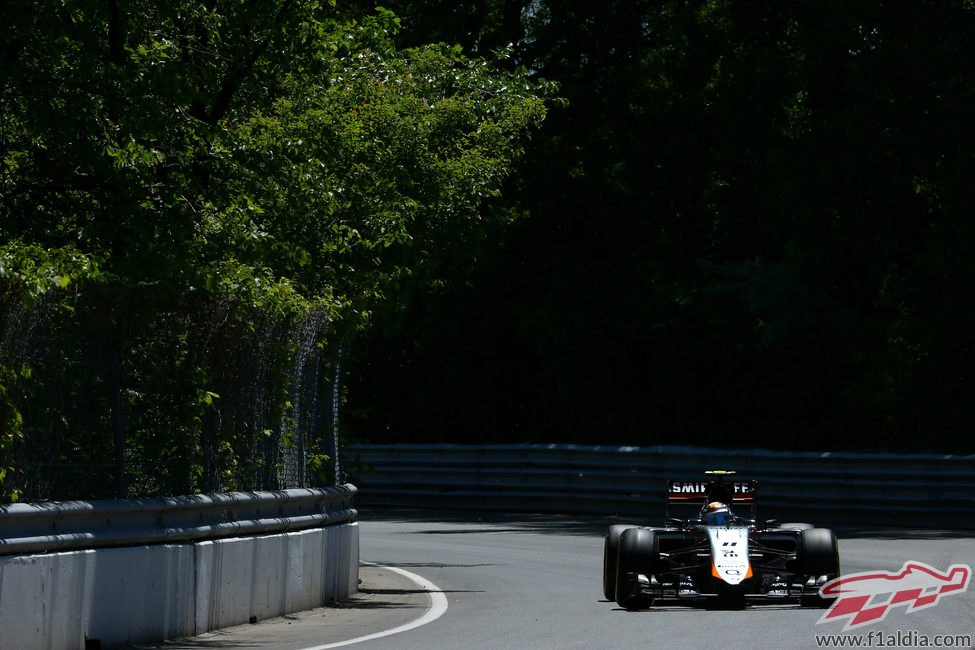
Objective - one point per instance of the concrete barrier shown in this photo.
(143, 594)
(241, 579)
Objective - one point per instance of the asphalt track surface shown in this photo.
(456, 580)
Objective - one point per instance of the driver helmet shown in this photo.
(715, 514)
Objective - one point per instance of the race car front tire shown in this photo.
(818, 553)
(611, 551)
(794, 525)
(638, 555)
(818, 556)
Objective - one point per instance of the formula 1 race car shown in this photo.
(718, 555)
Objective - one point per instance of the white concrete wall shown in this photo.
(151, 593)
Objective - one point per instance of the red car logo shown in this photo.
(861, 597)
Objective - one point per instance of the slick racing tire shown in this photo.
(795, 525)
(611, 551)
(818, 556)
(638, 554)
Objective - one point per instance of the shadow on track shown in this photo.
(488, 522)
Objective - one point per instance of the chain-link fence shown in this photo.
(113, 392)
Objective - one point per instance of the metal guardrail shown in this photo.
(874, 488)
(72, 525)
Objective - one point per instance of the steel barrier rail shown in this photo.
(73, 525)
(923, 489)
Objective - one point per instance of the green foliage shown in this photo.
(185, 188)
(32, 271)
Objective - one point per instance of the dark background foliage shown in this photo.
(750, 224)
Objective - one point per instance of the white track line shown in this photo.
(438, 605)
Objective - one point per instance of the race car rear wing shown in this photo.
(700, 493)
(703, 491)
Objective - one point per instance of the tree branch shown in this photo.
(115, 36)
(237, 73)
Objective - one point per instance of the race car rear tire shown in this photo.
(818, 556)
(638, 555)
(611, 551)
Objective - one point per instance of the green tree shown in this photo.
(195, 194)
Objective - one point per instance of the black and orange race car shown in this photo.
(720, 553)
